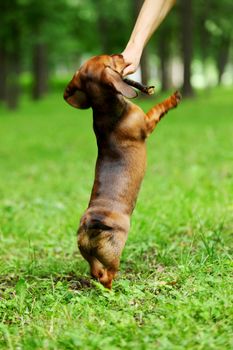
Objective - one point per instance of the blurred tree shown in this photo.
(38, 14)
(14, 57)
(164, 55)
(43, 19)
(4, 13)
(74, 34)
(186, 11)
(220, 28)
(103, 21)
(11, 51)
(201, 34)
(213, 33)
(3, 70)
(112, 24)
(167, 46)
(44, 37)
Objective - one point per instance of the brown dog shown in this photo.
(121, 129)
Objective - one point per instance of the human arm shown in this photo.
(151, 15)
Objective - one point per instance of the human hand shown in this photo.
(151, 15)
(132, 59)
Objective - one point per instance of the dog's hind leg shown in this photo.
(157, 112)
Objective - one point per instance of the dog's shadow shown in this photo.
(69, 270)
(74, 281)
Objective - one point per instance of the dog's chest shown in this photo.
(127, 126)
(132, 126)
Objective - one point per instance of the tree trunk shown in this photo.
(3, 72)
(102, 26)
(204, 46)
(164, 60)
(222, 57)
(145, 75)
(187, 44)
(13, 87)
(40, 70)
(204, 34)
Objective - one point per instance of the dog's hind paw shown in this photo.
(177, 96)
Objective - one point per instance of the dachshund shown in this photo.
(121, 130)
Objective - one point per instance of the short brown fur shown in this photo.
(121, 129)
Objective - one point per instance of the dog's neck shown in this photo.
(109, 104)
(107, 111)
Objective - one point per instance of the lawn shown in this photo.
(175, 287)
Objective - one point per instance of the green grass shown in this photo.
(174, 290)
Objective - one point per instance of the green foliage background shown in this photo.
(70, 31)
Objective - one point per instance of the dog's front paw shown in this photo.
(150, 90)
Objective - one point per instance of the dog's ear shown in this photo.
(74, 95)
(116, 81)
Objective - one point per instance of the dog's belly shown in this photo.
(118, 180)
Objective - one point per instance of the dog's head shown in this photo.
(99, 76)
(101, 238)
